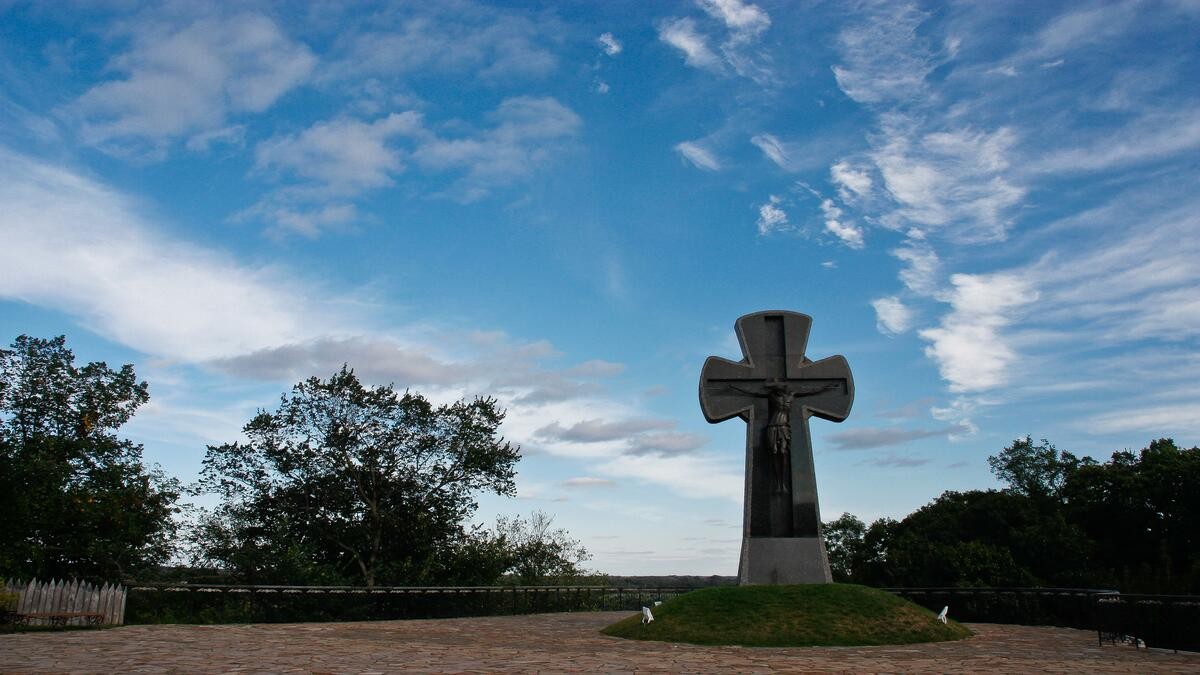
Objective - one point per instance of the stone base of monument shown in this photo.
(783, 560)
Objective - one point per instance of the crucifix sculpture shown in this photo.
(775, 389)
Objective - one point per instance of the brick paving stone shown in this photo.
(545, 643)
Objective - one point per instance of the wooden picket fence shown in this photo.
(67, 597)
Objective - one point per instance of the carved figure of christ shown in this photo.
(778, 439)
(775, 389)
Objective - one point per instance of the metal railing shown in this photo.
(1161, 621)
(1066, 607)
(1164, 621)
(237, 603)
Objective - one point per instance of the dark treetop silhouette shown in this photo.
(775, 389)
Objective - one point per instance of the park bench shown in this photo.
(60, 618)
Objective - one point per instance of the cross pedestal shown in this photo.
(775, 389)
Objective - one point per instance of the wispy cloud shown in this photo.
(745, 20)
(189, 80)
(682, 35)
(952, 181)
(922, 271)
(667, 443)
(740, 23)
(598, 430)
(836, 224)
(884, 60)
(492, 45)
(893, 461)
(772, 218)
(969, 346)
(892, 316)
(698, 156)
(609, 44)
(75, 245)
(852, 182)
(1154, 137)
(588, 482)
(343, 157)
(877, 437)
(773, 148)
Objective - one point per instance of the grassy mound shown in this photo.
(790, 616)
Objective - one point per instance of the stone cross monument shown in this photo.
(775, 389)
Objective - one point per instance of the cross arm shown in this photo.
(835, 404)
(718, 401)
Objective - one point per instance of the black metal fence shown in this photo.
(1166, 621)
(1162, 621)
(1067, 607)
(221, 603)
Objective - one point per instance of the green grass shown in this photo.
(790, 616)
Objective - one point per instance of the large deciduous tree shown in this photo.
(346, 483)
(75, 500)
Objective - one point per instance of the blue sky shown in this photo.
(990, 209)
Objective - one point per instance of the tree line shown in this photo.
(1131, 523)
(348, 484)
(341, 484)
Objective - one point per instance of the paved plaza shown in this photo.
(544, 643)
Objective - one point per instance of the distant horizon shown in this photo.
(984, 208)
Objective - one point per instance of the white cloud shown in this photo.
(883, 57)
(598, 430)
(1076, 29)
(690, 475)
(698, 156)
(923, 267)
(773, 149)
(741, 23)
(587, 482)
(743, 19)
(969, 346)
(959, 413)
(609, 44)
(492, 44)
(850, 234)
(1150, 138)
(234, 135)
(682, 35)
(1127, 283)
(851, 182)
(190, 80)
(666, 443)
(949, 181)
(892, 316)
(771, 218)
(894, 461)
(306, 222)
(340, 158)
(345, 155)
(527, 133)
(1160, 420)
(76, 246)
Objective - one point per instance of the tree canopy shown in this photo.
(1131, 523)
(352, 484)
(76, 499)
